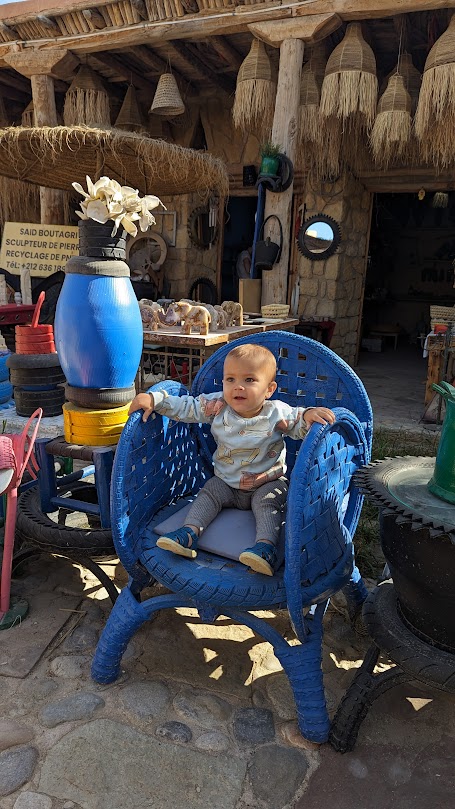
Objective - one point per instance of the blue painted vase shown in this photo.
(98, 327)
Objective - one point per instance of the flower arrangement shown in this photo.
(107, 199)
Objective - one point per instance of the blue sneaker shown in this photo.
(261, 558)
(183, 542)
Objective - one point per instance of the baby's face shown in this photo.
(246, 386)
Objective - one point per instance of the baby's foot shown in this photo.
(261, 558)
(183, 541)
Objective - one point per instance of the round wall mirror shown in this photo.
(319, 237)
(200, 231)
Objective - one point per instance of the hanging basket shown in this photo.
(167, 100)
(86, 100)
(435, 115)
(255, 92)
(391, 131)
(309, 121)
(268, 253)
(130, 117)
(411, 77)
(350, 86)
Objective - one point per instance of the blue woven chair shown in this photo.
(160, 462)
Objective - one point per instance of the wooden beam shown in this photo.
(309, 29)
(221, 22)
(49, 25)
(227, 52)
(192, 61)
(94, 18)
(141, 8)
(127, 73)
(8, 31)
(408, 180)
(7, 91)
(155, 66)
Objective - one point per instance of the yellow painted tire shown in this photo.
(101, 432)
(94, 440)
(84, 417)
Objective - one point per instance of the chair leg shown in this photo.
(126, 617)
(355, 593)
(303, 666)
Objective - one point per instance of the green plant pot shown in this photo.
(269, 165)
(442, 484)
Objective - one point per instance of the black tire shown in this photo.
(206, 291)
(37, 376)
(419, 660)
(96, 240)
(100, 398)
(51, 286)
(81, 265)
(33, 526)
(33, 361)
(27, 401)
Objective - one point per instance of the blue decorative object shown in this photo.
(161, 461)
(98, 327)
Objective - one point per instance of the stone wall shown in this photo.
(333, 289)
(185, 262)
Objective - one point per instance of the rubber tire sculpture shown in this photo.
(51, 401)
(210, 291)
(36, 527)
(37, 376)
(100, 399)
(33, 361)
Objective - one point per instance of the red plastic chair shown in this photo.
(16, 455)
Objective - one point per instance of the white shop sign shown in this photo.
(37, 249)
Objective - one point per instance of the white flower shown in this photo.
(107, 199)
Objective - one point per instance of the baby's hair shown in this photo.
(258, 354)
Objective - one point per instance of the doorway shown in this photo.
(238, 235)
(409, 268)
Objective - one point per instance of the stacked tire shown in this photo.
(6, 388)
(35, 369)
(99, 428)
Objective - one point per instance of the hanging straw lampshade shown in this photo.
(28, 115)
(391, 131)
(309, 121)
(411, 77)
(435, 116)
(167, 100)
(255, 91)
(350, 86)
(130, 117)
(86, 100)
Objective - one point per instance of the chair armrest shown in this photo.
(324, 506)
(156, 463)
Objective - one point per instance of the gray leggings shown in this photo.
(267, 504)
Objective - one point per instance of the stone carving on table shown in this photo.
(234, 313)
(152, 315)
(192, 316)
(222, 317)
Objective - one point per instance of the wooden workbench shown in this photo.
(164, 350)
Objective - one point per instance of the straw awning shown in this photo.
(55, 157)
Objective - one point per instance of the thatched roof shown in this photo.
(57, 156)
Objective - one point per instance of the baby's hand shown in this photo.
(143, 401)
(320, 415)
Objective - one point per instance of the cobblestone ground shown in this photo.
(202, 716)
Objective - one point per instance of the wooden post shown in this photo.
(284, 132)
(37, 66)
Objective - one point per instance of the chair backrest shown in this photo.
(308, 374)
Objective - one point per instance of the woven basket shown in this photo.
(350, 85)
(254, 100)
(129, 117)
(391, 131)
(277, 310)
(167, 100)
(411, 77)
(442, 314)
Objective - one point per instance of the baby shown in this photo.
(249, 461)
